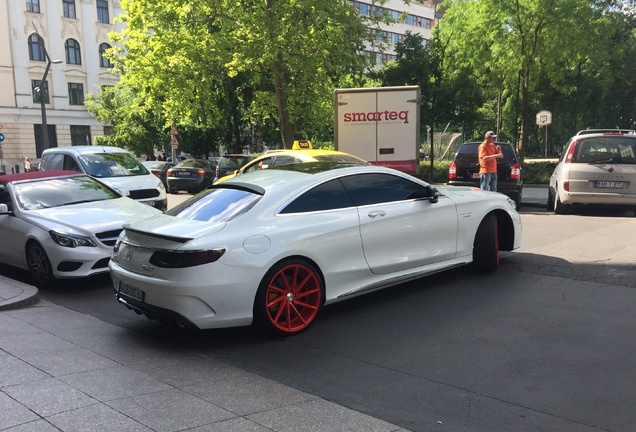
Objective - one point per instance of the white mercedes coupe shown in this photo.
(61, 224)
(272, 247)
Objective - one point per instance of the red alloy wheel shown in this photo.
(293, 298)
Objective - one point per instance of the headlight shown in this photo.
(512, 203)
(69, 240)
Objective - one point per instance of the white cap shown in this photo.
(491, 134)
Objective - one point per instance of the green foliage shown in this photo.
(537, 172)
(224, 66)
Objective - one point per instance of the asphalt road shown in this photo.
(543, 344)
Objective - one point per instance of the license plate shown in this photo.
(148, 203)
(476, 175)
(609, 184)
(131, 291)
(184, 174)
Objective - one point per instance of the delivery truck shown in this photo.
(380, 124)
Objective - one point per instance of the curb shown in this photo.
(15, 294)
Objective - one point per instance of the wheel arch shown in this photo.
(506, 230)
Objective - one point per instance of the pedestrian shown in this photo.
(488, 155)
(27, 164)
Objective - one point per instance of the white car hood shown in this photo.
(129, 183)
(92, 216)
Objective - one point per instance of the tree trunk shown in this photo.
(525, 108)
(287, 129)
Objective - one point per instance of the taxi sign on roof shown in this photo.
(301, 145)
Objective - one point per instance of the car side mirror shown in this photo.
(4, 210)
(432, 194)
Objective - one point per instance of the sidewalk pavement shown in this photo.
(61, 370)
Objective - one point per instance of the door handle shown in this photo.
(376, 214)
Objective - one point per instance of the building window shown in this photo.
(80, 135)
(73, 55)
(365, 9)
(37, 130)
(69, 8)
(37, 90)
(33, 6)
(36, 48)
(75, 94)
(103, 60)
(102, 12)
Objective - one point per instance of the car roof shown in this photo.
(606, 132)
(32, 175)
(293, 176)
(86, 149)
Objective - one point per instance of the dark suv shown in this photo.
(230, 163)
(464, 170)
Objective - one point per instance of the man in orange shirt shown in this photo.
(488, 155)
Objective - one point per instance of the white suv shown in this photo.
(114, 166)
(597, 167)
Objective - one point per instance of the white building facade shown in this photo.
(74, 34)
(417, 17)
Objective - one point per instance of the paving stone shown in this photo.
(96, 418)
(14, 414)
(114, 383)
(170, 410)
(49, 396)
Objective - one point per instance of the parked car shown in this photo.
(115, 166)
(159, 169)
(61, 224)
(230, 163)
(273, 246)
(464, 170)
(275, 158)
(597, 167)
(191, 175)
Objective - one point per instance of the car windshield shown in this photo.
(606, 149)
(216, 205)
(112, 165)
(56, 192)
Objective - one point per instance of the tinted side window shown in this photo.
(327, 196)
(367, 189)
(70, 164)
(52, 161)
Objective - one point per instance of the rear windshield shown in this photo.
(606, 149)
(216, 205)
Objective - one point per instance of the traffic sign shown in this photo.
(1, 137)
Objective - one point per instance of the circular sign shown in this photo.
(1, 137)
(544, 118)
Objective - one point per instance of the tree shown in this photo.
(454, 97)
(207, 62)
(511, 42)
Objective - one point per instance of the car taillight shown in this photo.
(169, 173)
(566, 186)
(570, 155)
(182, 259)
(452, 171)
(201, 173)
(157, 173)
(515, 172)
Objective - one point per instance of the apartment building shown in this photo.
(62, 42)
(417, 17)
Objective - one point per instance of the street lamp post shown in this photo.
(43, 89)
